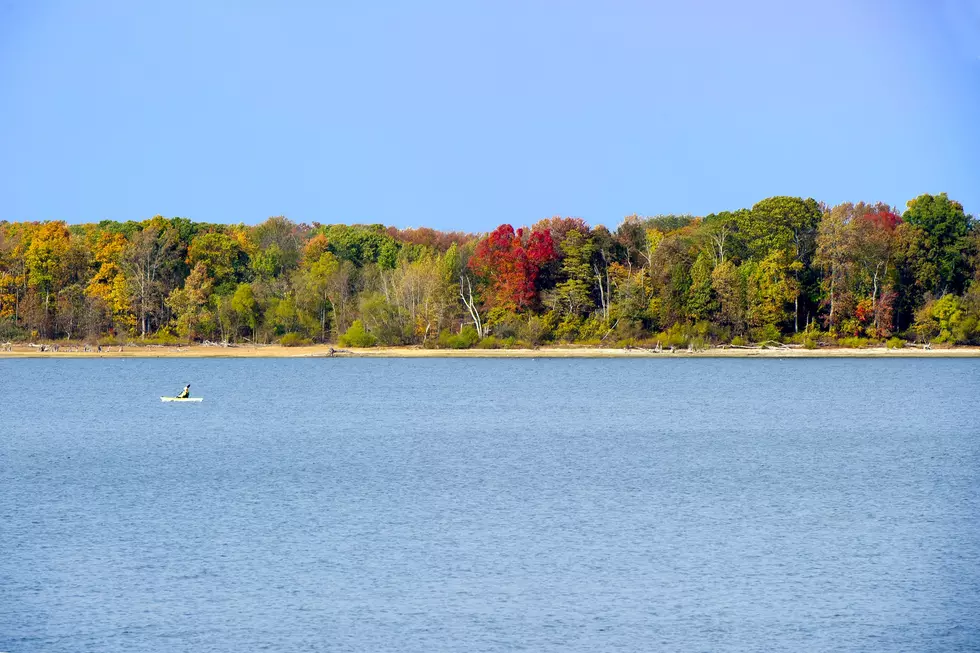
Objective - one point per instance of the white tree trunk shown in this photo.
(470, 305)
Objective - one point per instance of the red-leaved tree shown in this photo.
(509, 262)
(883, 218)
(876, 247)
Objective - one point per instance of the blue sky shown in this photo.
(464, 115)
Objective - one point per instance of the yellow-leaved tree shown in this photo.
(46, 262)
(109, 283)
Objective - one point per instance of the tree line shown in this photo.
(787, 269)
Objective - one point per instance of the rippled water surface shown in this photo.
(490, 505)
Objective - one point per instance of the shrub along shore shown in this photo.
(787, 272)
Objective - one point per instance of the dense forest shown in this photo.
(787, 269)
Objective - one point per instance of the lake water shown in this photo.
(490, 505)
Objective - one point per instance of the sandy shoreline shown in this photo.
(317, 351)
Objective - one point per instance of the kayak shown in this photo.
(178, 399)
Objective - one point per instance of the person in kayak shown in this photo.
(186, 392)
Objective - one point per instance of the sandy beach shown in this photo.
(320, 351)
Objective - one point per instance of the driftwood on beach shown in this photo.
(769, 344)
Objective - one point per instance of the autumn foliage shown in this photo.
(788, 269)
(509, 262)
(883, 219)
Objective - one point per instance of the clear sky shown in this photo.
(464, 115)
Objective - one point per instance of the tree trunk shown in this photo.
(603, 291)
(874, 297)
(143, 321)
(384, 287)
(323, 322)
(470, 305)
(796, 314)
(833, 279)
